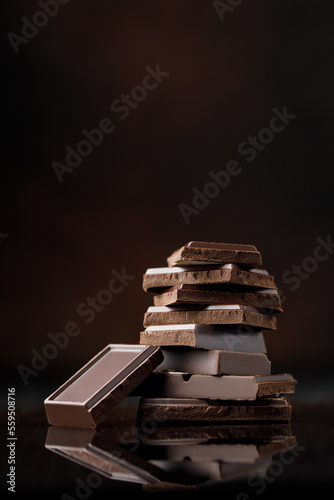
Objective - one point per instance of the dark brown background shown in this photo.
(119, 208)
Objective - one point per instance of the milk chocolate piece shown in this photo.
(242, 338)
(199, 252)
(235, 387)
(203, 410)
(155, 279)
(89, 396)
(268, 299)
(209, 315)
(214, 362)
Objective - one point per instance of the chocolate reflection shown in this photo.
(162, 455)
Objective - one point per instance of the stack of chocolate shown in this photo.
(211, 306)
(202, 359)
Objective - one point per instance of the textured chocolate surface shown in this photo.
(199, 252)
(156, 279)
(209, 315)
(201, 410)
(197, 294)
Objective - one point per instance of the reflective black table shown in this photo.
(236, 461)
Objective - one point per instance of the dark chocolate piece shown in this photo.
(202, 410)
(88, 397)
(209, 315)
(202, 294)
(199, 252)
(156, 279)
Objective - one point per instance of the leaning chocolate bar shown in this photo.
(88, 397)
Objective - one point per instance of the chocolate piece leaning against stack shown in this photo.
(212, 305)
